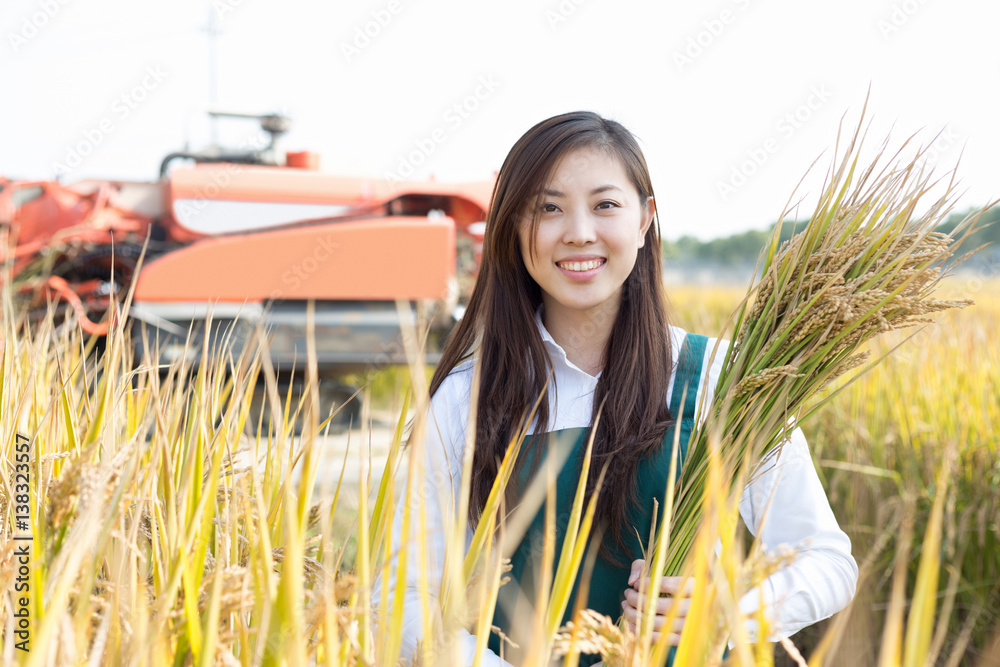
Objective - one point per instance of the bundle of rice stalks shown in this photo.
(864, 264)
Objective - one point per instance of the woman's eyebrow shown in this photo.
(599, 189)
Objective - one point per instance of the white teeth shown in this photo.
(581, 266)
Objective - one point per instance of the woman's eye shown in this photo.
(606, 204)
(549, 208)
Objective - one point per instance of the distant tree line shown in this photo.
(745, 247)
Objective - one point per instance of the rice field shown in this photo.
(159, 533)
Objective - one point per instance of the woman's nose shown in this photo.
(579, 228)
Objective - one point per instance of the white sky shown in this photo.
(937, 67)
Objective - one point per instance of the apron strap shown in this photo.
(688, 378)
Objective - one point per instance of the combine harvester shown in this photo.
(250, 237)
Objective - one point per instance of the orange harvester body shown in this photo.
(250, 241)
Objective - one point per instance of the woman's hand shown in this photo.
(672, 588)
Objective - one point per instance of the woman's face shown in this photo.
(591, 226)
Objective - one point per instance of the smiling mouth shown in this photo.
(581, 266)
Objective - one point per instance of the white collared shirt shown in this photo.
(820, 582)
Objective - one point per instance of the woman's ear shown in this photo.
(647, 220)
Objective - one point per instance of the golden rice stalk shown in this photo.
(863, 264)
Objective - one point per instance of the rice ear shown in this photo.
(863, 265)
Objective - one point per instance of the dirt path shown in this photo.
(356, 451)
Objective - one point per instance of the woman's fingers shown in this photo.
(631, 615)
(673, 638)
(636, 571)
(678, 591)
(663, 604)
(679, 586)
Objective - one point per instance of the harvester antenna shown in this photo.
(213, 29)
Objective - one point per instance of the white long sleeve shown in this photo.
(786, 505)
(822, 579)
(444, 434)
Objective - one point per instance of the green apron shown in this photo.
(608, 581)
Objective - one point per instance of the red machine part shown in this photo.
(256, 232)
(58, 286)
(204, 200)
(415, 259)
(45, 213)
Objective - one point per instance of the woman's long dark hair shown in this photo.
(515, 364)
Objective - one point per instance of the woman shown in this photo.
(570, 282)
